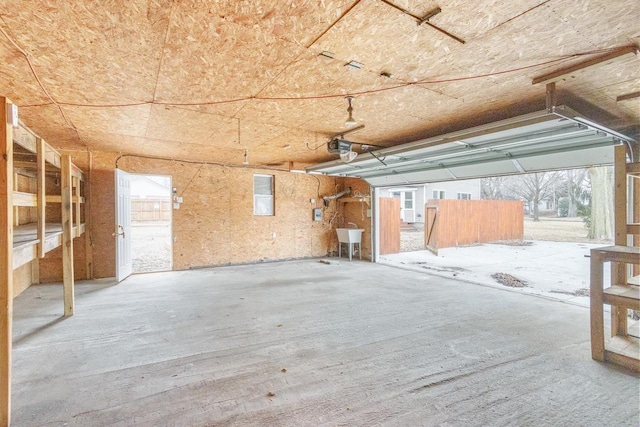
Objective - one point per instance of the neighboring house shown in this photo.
(150, 187)
(414, 197)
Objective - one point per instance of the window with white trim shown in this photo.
(464, 196)
(263, 195)
(408, 200)
(438, 194)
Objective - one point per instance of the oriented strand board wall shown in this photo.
(215, 224)
(356, 212)
(464, 222)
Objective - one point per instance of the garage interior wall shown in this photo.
(215, 224)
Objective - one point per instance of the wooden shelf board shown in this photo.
(623, 351)
(622, 296)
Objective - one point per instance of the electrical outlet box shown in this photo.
(179, 199)
(317, 214)
(176, 206)
(368, 213)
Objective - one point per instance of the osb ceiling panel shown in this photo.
(89, 51)
(206, 80)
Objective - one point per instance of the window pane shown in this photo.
(262, 184)
(262, 205)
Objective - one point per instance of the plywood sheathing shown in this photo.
(215, 224)
(217, 57)
(87, 53)
(223, 57)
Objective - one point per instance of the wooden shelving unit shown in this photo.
(624, 292)
(41, 208)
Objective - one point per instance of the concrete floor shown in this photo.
(362, 344)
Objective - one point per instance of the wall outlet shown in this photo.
(317, 214)
(273, 235)
(176, 206)
(179, 200)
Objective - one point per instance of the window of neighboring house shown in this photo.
(438, 194)
(263, 195)
(395, 194)
(464, 196)
(549, 205)
(408, 200)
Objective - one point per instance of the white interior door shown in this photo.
(124, 265)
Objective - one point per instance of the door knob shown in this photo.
(118, 232)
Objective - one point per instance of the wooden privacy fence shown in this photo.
(450, 223)
(150, 210)
(389, 225)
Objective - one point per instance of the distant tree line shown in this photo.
(587, 193)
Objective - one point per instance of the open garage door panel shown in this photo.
(530, 143)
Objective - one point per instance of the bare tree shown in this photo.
(575, 188)
(492, 188)
(533, 188)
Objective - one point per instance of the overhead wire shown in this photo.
(560, 59)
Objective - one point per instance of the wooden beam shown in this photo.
(21, 198)
(626, 97)
(76, 201)
(67, 235)
(16, 202)
(41, 195)
(54, 198)
(558, 74)
(6, 261)
(88, 249)
(633, 168)
(618, 269)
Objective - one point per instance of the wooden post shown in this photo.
(6, 261)
(41, 194)
(618, 269)
(16, 209)
(88, 253)
(597, 312)
(67, 233)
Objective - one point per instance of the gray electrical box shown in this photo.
(317, 214)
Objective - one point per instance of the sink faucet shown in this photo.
(354, 225)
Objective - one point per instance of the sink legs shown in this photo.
(350, 250)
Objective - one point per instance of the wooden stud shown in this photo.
(88, 252)
(597, 312)
(35, 271)
(16, 203)
(556, 75)
(76, 201)
(41, 195)
(67, 234)
(6, 262)
(619, 270)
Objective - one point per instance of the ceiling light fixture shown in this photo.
(325, 54)
(353, 65)
(350, 120)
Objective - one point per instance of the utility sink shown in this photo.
(350, 236)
